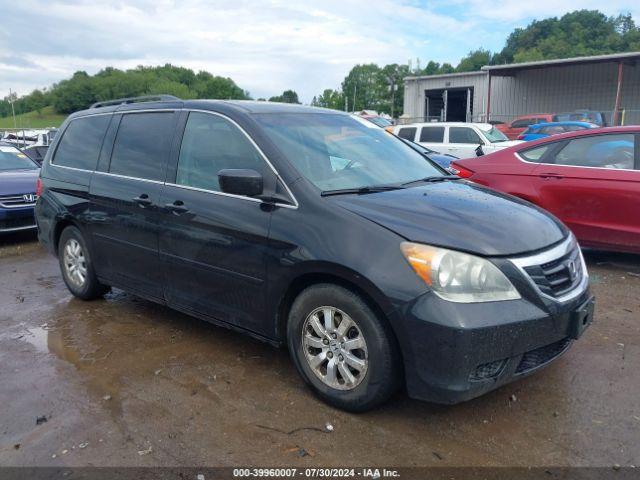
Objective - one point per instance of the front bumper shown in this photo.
(17, 219)
(484, 345)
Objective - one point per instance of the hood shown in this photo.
(461, 216)
(17, 182)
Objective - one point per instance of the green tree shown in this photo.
(329, 99)
(288, 96)
(363, 88)
(474, 60)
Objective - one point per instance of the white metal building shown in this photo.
(604, 83)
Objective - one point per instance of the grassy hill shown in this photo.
(46, 118)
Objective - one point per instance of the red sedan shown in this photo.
(590, 179)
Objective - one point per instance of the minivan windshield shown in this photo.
(13, 159)
(336, 152)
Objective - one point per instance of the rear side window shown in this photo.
(80, 144)
(408, 133)
(601, 151)
(522, 123)
(142, 145)
(463, 135)
(432, 134)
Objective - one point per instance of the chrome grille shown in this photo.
(558, 273)
(559, 276)
(15, 201)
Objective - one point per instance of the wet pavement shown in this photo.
(123, 382)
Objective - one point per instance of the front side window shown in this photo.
(212, 143)
(432, 134)
(142, 145)
(335, 151)
(463, 135)
(81, 142)
(13, 159)
(408, 133)
(602, 151)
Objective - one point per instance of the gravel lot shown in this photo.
(124, 382)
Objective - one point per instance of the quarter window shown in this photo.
(210, 144)
(408, 133)
(432, 134)
(602, 151)
(534, 154)
(142, 145)
(80, 144)
(463, 135)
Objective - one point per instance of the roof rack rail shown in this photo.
(143, 98)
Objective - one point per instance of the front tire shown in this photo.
(76, 266)
(342, 349)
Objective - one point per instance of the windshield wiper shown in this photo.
(361, 190)
(434, 179)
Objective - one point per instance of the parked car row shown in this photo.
(517, 126)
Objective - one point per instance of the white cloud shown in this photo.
(265, 46)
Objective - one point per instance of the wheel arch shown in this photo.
(60, 224)
(337, 275)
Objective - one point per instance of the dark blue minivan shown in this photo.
(310, 228)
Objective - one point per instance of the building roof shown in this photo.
(509, 69)
(446, 75)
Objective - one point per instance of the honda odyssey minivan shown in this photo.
(310, 228)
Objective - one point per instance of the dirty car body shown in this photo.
(245, 260)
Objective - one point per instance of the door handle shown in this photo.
(143, 201)
(548, 176)
(177, 207)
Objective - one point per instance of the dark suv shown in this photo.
(311, 228)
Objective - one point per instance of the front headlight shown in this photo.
(458, 277)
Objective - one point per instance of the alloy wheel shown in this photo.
(335, 348)
(75, 263)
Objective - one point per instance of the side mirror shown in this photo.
(240, 182)
(479, 151)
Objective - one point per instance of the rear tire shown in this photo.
(342, 349)
(76, 266)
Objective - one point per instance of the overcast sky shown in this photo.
(264, 46)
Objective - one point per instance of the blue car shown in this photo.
(18, 178)
(542, 130)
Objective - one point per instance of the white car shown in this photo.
(456, 138)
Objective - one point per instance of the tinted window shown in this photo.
(604, 151)
(463, 135)
(408, 133)
(210, 144)
(574, 128)
(142, 145)
(432, 134)
(534, 154)
(522, 123)
(80, 144)
(552, 130)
